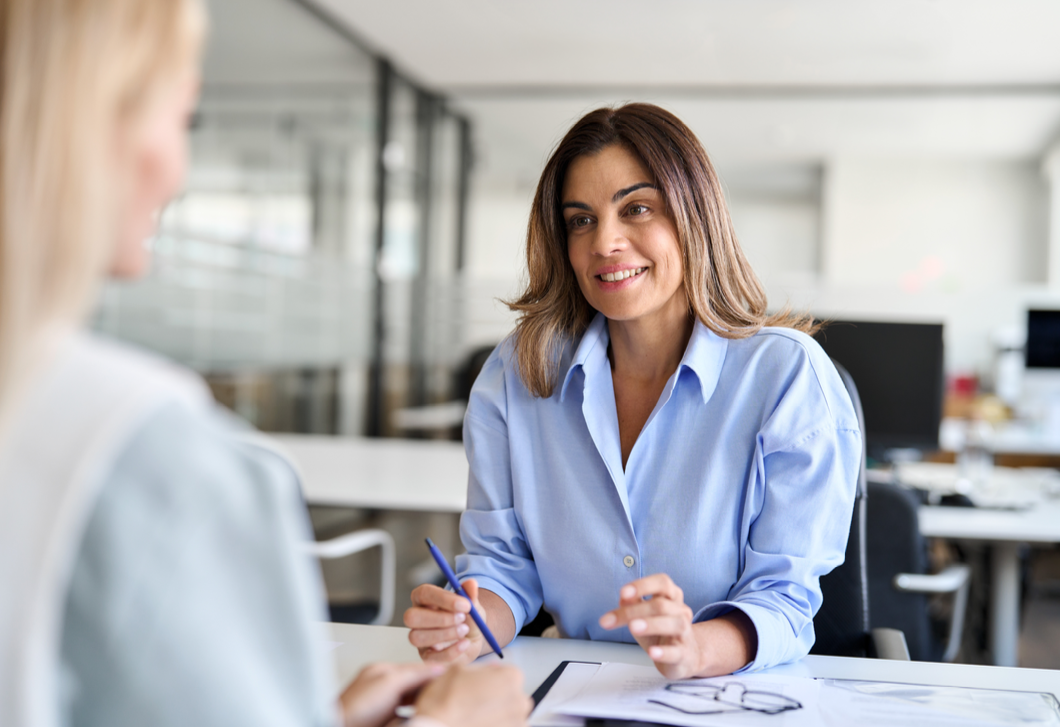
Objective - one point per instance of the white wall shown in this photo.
(495, 257)
(963, 242)
(780, 236)
(923, 224)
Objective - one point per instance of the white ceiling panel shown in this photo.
(451, 43)
(516, 135)
(760, 81)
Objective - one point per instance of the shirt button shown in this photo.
(628, 560)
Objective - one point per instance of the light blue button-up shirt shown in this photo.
(740, 487)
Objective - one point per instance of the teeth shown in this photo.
(621, 275)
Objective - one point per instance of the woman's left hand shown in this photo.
(370, 699)
(662, 625)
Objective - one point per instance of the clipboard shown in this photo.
(541, 691)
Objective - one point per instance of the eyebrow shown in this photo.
(629, 190)
(617, 196)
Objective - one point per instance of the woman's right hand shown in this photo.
(477, 696)
(441, 625)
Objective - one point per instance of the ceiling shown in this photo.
(472, 43)
(760, 81)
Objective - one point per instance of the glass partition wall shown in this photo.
(310, 268)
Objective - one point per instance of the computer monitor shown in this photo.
(1043, 339)
(897, 368)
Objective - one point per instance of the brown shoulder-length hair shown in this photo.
(723, 291)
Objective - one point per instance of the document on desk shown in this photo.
(626, 692)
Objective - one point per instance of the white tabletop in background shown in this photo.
(1015, 504)
(361, 645)
(1040, 524)
(1025, 438)
(424, 475)
(392, 474)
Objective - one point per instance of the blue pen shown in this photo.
(451, 577)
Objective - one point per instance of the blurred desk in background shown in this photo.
(380, 474)
(1016, 507)
(1032, 442)
(1014, 444)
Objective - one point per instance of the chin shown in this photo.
(612, 313)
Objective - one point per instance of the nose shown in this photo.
(610, 237)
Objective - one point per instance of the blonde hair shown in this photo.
(72, 72)
(723, 291)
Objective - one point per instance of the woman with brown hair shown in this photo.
(649, 435)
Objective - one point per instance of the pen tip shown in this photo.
(429, 543)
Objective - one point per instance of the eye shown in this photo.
(578, 221)
(636, 209)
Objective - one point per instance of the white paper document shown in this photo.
(573, 679)
(623, 691)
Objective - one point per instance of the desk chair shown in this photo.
(342, 546)
(898, 586)
(355, 542)
(842, 625)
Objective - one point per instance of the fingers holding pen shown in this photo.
(438, 638)
(440, 627)
(433, 597)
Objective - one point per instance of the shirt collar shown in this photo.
(591, 349)
(704, 355)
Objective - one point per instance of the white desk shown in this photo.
(1033, 490)
(360, 645)
(1013, 437)
(1005, 531)
(1025, 438)
(385, 474)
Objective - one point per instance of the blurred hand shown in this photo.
(662, 625)
(476, 696)
(441, 627)
(370, 699)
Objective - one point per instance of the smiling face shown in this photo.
(621, 243)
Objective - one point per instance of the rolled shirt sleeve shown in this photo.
(799, 534)
(498, 556)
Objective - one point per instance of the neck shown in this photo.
(650, 350)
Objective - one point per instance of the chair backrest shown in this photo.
(895, 546)
(842, 623)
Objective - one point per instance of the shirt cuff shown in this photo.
(510, 597)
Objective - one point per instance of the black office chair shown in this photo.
(898, 584)
(842, 624)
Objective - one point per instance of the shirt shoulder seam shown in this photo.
(813, 367)
(814, 433)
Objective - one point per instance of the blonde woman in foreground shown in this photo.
(149, 567)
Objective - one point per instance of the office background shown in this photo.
(362, 173)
